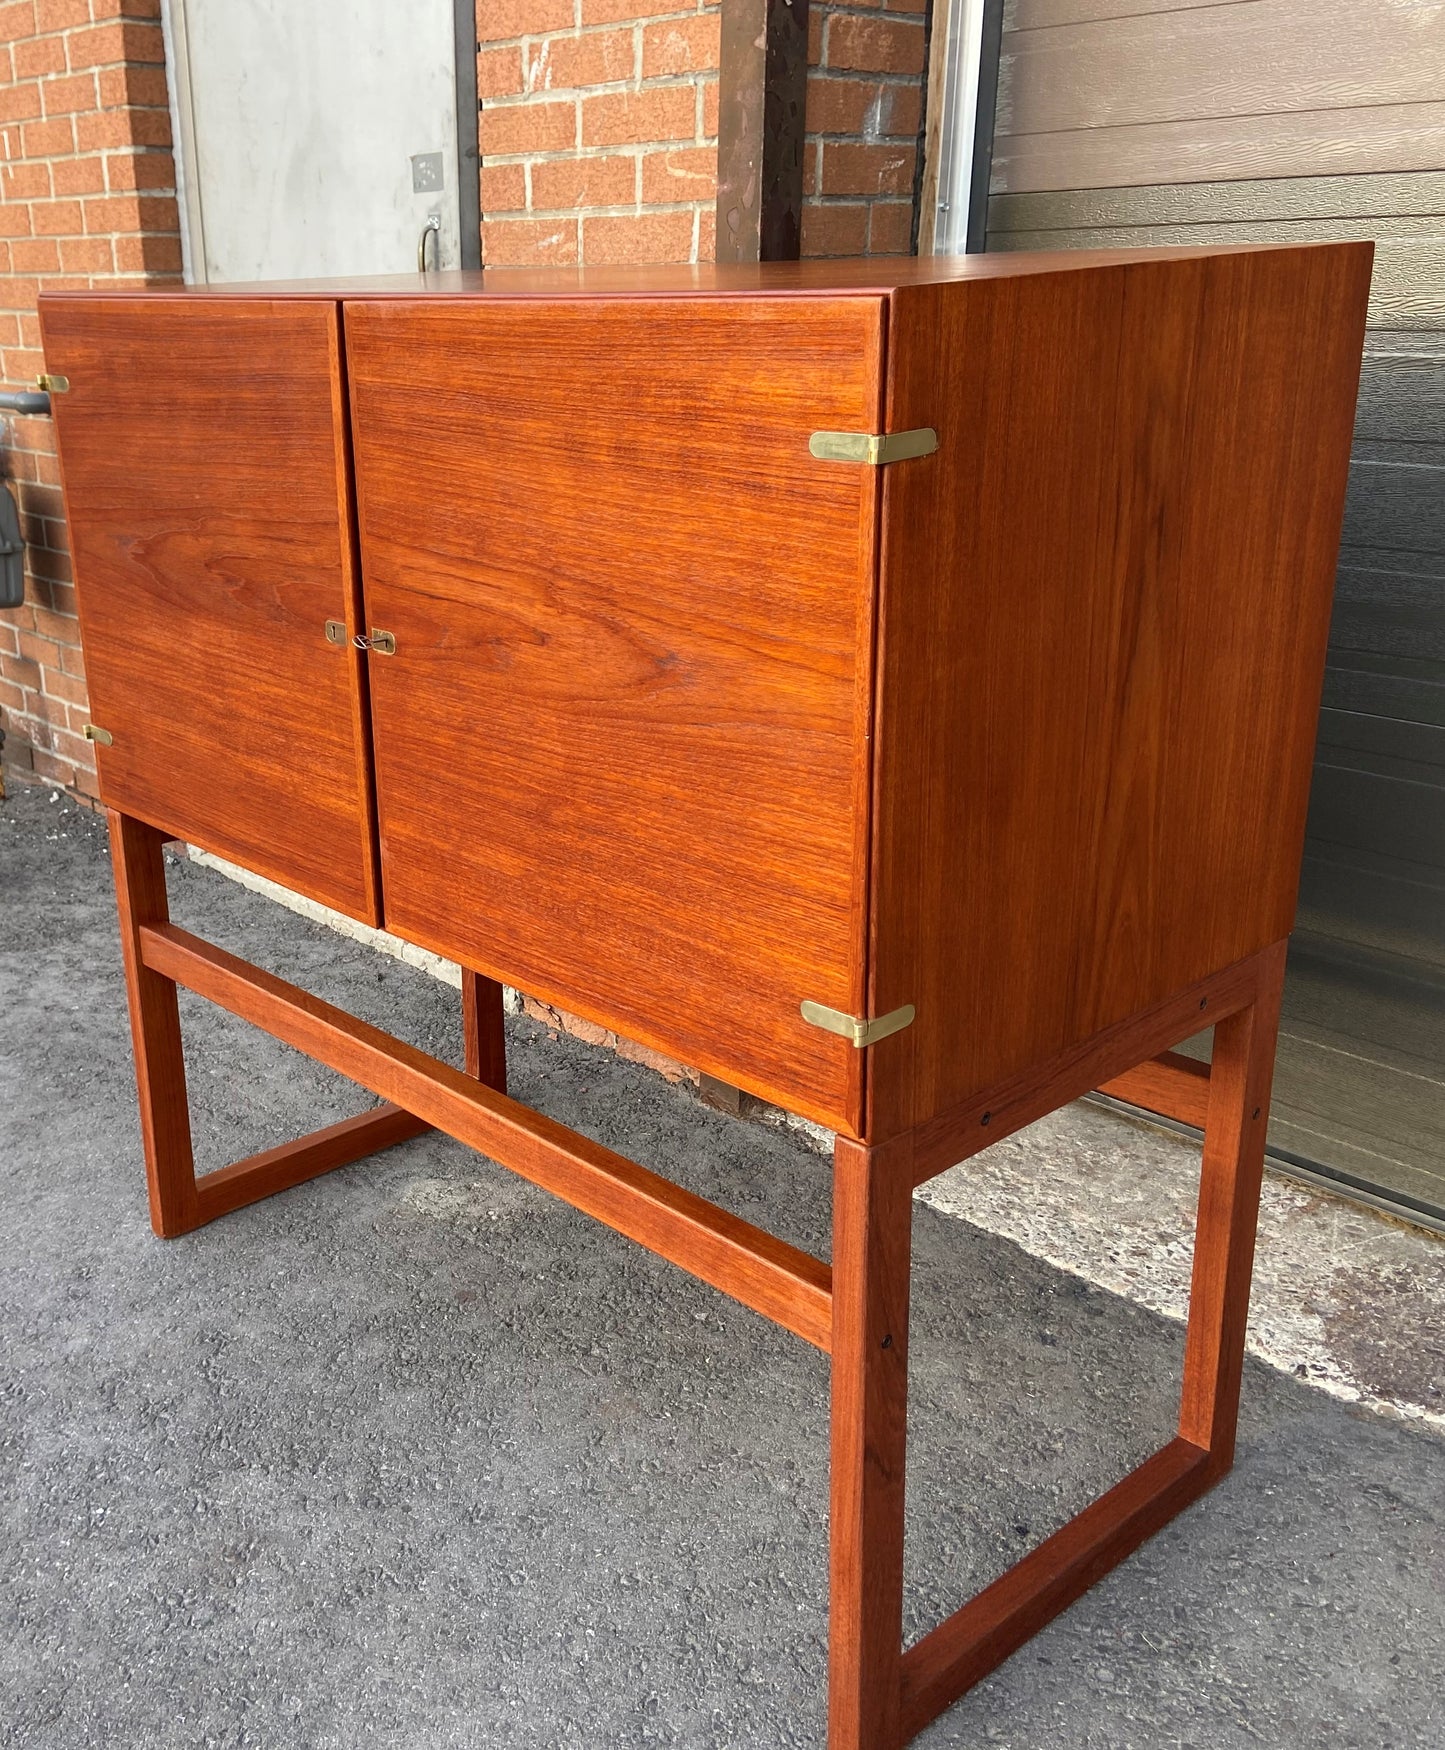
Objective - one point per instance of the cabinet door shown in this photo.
(622, 743)
(203, 446)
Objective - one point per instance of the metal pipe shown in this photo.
(27, 401)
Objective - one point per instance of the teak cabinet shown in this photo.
(886, 686)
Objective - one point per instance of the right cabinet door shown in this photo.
(622, 742)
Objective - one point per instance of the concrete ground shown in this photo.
(416, 1456)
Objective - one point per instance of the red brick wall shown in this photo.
(87, 196)
(598, 130)
(865, 99)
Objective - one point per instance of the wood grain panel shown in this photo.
(1256, 58)
(1348, 142)
(1003, 1108)
(814, 279)
(1103, 618)
(1408, 291)
(633, 622)
(203, 447)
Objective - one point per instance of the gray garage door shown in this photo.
(1134, 122)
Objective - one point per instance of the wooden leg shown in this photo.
(1234, 1134)
(872, 1249)
(970, 1643)
(155, 1026)
(179, 1202)
(482, 1030)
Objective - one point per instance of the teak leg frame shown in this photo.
(879, 1694)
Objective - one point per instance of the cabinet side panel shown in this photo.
(1103, 618)
(203, 449)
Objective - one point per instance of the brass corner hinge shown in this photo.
(873, 447)
(94, 732)
(52, 385)
(853, 1028)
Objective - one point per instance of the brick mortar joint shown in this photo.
(590, 27)
(629, 87)
(585, 154)
(575, 33)
(629, 210)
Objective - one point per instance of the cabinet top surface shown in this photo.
(872, 275)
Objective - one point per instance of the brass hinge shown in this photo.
(855, 1030)
(873, 447)
(94, 732)
(52, 385)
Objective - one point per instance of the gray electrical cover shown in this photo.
(12, 552)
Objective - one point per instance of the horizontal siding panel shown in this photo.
(1044, 14)
(1396, 505)
(1398, 818)
(1405, 194)
(1390, 137)
(1407, 455)
(1402, 390)
(1255, 59)
(1388, 613)
(1408, 290)
(1385, 686)
(1401, 911)
(1383, 744)
(1356, 558)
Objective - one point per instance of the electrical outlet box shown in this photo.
(426, 172)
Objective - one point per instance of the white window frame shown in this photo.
(962, 90)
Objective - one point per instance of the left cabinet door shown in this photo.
(203, 447)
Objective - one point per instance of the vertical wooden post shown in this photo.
(138, 864)
(872, 1248)
(482, 1030)
(762, 96)
(1234, 1134)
